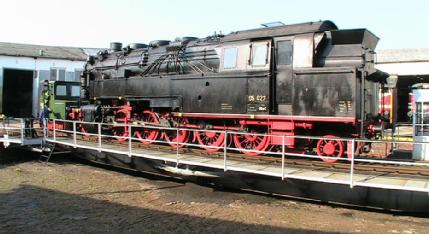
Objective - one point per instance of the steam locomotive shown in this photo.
(308, 79)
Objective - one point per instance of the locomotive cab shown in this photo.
(318, 73)
(64, 94)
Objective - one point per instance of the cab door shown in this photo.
(283, 74)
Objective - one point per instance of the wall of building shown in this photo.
(45, 68)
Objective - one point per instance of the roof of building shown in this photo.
(403, 55)
(41, 51)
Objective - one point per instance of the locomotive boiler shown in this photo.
(308, 79)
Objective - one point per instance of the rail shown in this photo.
(72, 133)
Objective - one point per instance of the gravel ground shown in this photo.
(69, 196)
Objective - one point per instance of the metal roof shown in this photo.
(403, 55)
(41, 51)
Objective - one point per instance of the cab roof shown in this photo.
(284, 30)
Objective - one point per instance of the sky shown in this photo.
(96, 23)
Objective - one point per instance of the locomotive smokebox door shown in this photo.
(284, 74)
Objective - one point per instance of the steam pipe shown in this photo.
(362, 104)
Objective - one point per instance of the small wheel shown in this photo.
(121, 132)
(82, 129)
(251, 142)
(84, 132)
(147, 135)
(210, 138)
(173, 138)
(330, 148)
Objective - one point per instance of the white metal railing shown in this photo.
(353, 157)
(20, 131)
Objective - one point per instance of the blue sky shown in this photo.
(86, 23)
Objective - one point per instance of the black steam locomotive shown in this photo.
(303, 79)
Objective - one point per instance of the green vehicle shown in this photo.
(63, 94)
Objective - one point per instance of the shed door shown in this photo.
(284, 74)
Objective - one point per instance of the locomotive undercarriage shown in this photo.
(256, 134)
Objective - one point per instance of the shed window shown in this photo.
(69, 76)
(77, 74)
(284, 53)
(61, 74)
(58, 74)
(230, 57)
(259, 55)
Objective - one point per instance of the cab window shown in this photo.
(284, 52)
(61, 90)
(259, 55)
(67, 90)
(75, 91)
(230, 58)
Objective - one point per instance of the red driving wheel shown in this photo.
(330, 148)
(147, 135)
(251, 141)
(173, 138)
(121, 132)
(210, 139)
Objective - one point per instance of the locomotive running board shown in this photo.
(269, 117)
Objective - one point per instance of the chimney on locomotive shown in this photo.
(115, 46)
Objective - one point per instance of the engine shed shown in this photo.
(22, 69)
(408, 67)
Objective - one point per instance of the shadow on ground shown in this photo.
(188, 192)
(35, 209)
(13, 156)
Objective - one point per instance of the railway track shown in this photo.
(365, 167)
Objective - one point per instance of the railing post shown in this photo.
(225, 144)
(283, 157)
(55, 132)
(352, 164)
(74, 134)
(22, 131)
(177, 147)
(129, 141)
(99, 136)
